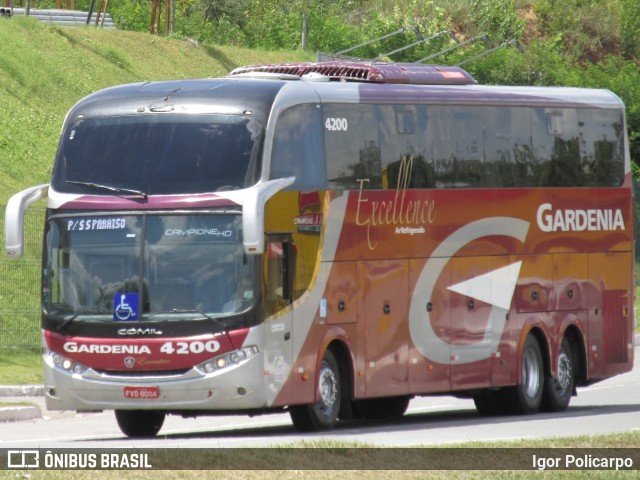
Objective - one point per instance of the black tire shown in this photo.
(377, 408)
(496, 402)
(324, 414)
(488, 403)
(140, 423)
(559, 389)
(527, 396)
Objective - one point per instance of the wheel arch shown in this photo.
(342, 353)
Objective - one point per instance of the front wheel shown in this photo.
(324, 414)
(559, 389)
(140, 423)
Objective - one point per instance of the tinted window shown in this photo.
(159, 154)
(298, 148)
(352, 146)
(492, 147)
(405, 159)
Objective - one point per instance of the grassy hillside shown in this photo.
(45, 69)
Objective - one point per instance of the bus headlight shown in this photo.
(228, 359)
(55, 360)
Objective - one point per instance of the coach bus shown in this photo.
(332, 240)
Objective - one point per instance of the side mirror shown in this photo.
(14, 218)
(253, 213)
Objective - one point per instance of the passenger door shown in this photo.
(279, 259)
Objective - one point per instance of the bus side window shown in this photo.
(352, 144)
(298, 148)
(561, 165)
(406, 156)
(601, 135)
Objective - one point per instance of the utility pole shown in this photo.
(173, 16)
(305, 25)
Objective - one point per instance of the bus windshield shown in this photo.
(158, 154)
(138, 267)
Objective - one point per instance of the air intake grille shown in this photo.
(368, 72)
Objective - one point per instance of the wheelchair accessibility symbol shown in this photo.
(125, 306)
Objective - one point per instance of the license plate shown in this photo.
(142, 393)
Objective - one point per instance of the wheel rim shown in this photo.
(531, 373)
(328, 389)
(565, 372)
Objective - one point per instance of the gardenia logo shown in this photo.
(550, 220)
(74, 347)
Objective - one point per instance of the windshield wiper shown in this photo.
(179, 310)
(67, 320)
(110, 188)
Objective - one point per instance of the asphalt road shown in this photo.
(607, 407)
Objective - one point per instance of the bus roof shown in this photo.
(372, 82)
(246, 90)
(212, 95)
(561, 97)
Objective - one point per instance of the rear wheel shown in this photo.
(321, 415)
(527, 396)
(140, 423)
(558, 389)
(488, 403)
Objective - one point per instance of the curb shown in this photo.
(20, 413)
(21, 391)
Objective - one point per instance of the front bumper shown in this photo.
(235, 388)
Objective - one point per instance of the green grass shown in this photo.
(340, 456)
(318, 475)
(20, 368)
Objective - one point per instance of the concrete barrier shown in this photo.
(67, 18)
